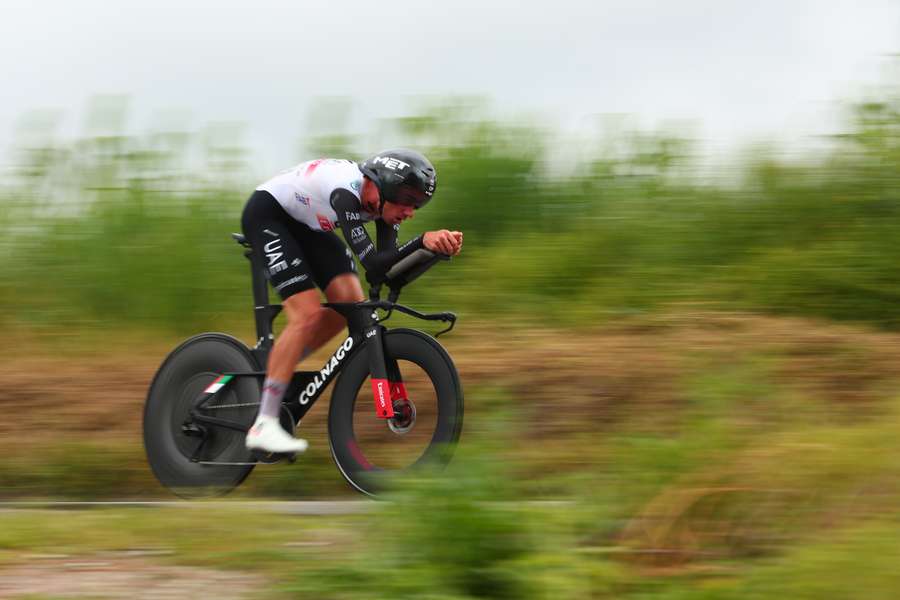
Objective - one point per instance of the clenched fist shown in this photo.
(443, 241)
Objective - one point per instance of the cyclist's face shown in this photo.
(396, 213)
(369, 196)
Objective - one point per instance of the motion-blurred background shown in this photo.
(679, 294)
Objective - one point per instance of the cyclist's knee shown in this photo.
(305, 312)
(302, 311)
(344, 288)
(298, 307)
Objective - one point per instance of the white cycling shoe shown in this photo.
(268, 436)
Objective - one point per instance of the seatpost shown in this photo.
(264, 313)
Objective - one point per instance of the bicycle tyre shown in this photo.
(425, 352)
(183, 375)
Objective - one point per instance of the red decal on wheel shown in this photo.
(357, 455)
(381, 391)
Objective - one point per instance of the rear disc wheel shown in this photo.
(176, 446)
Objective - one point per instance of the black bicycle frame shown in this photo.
(363, 325)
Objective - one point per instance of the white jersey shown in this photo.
(305, 191)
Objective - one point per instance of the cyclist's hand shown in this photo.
(459, 237)
(443, 241)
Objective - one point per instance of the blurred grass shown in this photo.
(219, 535)
(696, 454)
(751, 485)
(133, 231)
(467, 534)
(72, 469)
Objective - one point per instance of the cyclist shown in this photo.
(290, 220)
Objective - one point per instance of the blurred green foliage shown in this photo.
(752, 491)
(458, 535)
(72, 470)
(746, 486)
(113, 229)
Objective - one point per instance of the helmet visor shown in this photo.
(410, 196)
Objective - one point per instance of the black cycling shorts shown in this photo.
(296, 257)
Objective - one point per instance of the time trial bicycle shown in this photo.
(206, 394)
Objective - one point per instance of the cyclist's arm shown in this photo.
(375, 261)
(386, 235)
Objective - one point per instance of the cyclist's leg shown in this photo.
(273, 237)
(309, 326)
(343, 288)
(334, 270)
(306, 319)
(305, 316)
(276, 239)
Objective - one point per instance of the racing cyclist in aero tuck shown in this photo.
(290, 221)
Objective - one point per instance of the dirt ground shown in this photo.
(121, 575)
(589, 378)
(560, 384)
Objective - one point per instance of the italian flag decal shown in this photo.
(218, 384)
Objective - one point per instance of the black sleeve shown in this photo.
(386, 235)
(375, 261)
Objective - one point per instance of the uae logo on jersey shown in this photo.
(304, 200)
(324, 222)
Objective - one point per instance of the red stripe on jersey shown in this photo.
(312, 166)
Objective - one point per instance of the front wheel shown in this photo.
(369, 451)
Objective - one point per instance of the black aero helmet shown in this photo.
(401, 176)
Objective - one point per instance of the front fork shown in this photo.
(387, 382)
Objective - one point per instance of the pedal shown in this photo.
(265, 458)
(270, 458)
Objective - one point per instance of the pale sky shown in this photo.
(738, 70)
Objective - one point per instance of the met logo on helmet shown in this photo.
(391, 163)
